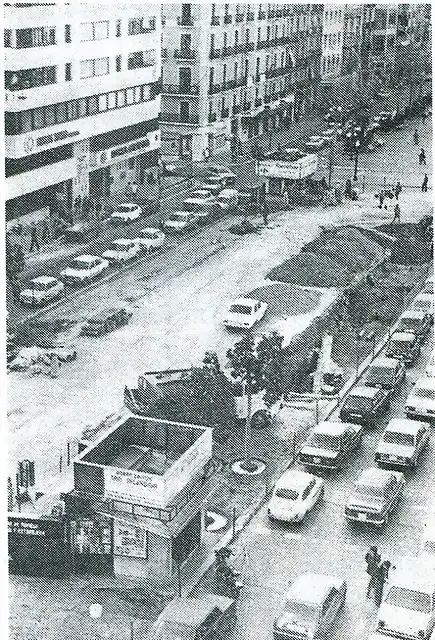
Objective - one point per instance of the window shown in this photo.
(61, 113)
(37, 37)
(7, 37)
(118, 63)
(91, 68)
(137, 26)
(130, 96)
(102, 103)
(121, 98)
(82, 107)
(141, 59)
(118, 28)
(50, 116)
(111, 100)
(68, 71)
(67, 33)
(29, 78)
(92, 105)
(94, 30)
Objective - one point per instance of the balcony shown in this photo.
(212, 117)
(229, 84)
(240, 17)
(271, 14)
(225, 112)
(215, 53)
(185, 21)
(215, 88)
(192, 90)
(215, 21)
(248, 46)
(228, 19)
(250, 16)
(262, 15)
(181, 118)
(237, 109)
(184, 54)
(164, 53)
(258, 102)
(228, 51)
(246, 106)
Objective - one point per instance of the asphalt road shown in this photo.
(270, 555)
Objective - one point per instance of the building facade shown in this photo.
(352, 39)
(233, 71)
(378, 51)
(82, 102)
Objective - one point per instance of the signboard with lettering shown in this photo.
(134, 486)
(129, 540)
(297, 170)
(36, 546)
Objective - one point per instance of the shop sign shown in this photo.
(302, 168)
(43, 528)
(134, 487)
(129, 540)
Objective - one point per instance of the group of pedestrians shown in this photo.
(378, 570)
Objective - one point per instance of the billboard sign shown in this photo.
(134, 486)
(296, 170)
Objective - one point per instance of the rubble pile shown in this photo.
(285, 298)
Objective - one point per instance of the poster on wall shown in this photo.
(129, 540)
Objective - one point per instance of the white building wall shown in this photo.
(332, 40)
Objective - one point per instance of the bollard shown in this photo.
(68, 454)
(60, 464)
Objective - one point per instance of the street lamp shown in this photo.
(355, 173)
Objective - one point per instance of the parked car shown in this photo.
(228, 200)
(417, 322)
(83, 269)
(330, 444)
(328, 135)
(294, 494)
(429, 285)
(125, 213)
(213, 183)
(430, 368)
(41, 290)
(365, 405)
(402, 442)
(374, 496)
(223, 172)
(405, 346)
(386, 373)
(106, 321)
(244, 313)
(312, 605)
(180, 221)
(81, 231)
(424, 302)
(408, 607)
(122, 250)
(315, 143)
(150, 239)
(210, 616)
(202, 203)
(421, 401)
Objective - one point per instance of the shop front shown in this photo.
(287, 171)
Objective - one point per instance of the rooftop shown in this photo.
(404, 425)
(331, 428)
(294, 478)
(311, 587)
(402, 336)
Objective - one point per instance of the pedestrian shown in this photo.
(134, 188)
(422, 157)
(45, 233)
(286, 199)
(373, 560)
(381, 199)
(161, 225)
(381, 576)
(15, 288)
(205, 154)
(348, 189)
(128, 189)
(265, 213)
(396, 216)
(34, 242)
(416, 137)
(424, 184)
(397, 189)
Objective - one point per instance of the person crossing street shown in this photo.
(422, 157)
(34, 242)
(373, 560)
(396, 217)
(424, 184)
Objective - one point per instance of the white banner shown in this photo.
(134, 486)
(302, 168)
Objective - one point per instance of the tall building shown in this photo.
(233, 71)
(82, 102)
(352, 38)
(379, 43)
(413, 63)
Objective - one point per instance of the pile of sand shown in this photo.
(286, 299)
(347, 246)
(309, 269)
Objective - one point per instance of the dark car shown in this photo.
(205, 618)
(106, 321)
(386, 373)
(417, 322)
(365, 405)
(82, 231)
(330, 444)
(375, 494)
(404, 345)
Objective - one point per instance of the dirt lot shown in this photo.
(284, 299)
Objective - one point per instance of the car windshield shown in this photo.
(118, 247)
(40, 286)
(398, 347)
(148, 235)
(285, 492)
(358, 402)
(302, 613)
(124, 208)
(324, 441)
(240, 308)
(177, 217)
(410, 323)
(174, 631)
(396, 437)
(368, 490)
(409, 599)
(381, 375)
(79, 264)
(421, 392)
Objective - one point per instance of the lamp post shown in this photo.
(355, 173)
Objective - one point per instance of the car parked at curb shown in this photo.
(421, 400)
(312, 605)
(180, 221)
(295, 493)
(365, 405)
(223, 172)
(417, 322)
(202, 203)
(125, 213)
(244, 313)
(424, 302)
(84, 269)
(122, 250)
(42, 290)
(404, 345)
(228, 200)
(150, 239)
(106, 321)
(386, 373)
(213, 183)
(402, 443)
(375, 494)
(330, 444)
(315, 143)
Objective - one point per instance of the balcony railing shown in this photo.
(215, 88)
(271, 14)
(249, 46)
(212, 117)
(258, 102)
(184, 54)
(190, 90)
(185, 21)
(240, 17)
(228, 19)
(177, 117)
(225, 112)
(215, 53)
(229, 84)
(262, 15)
(250, 16)
(215, 21)
(278, 71)
(228, 51)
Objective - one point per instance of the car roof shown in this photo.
(184, 213)
(385, 362)
(364, 392)
(424, 296)
(247, 301)
(193, 611)
(123, 241)
(86, 258)
(404, 425)
(44, 279)
(413, 575)
(105, 313)
(312, 587)
(402, 336)
(425, 382)
(294, 479)
(374, 477)
(150, 230)
(127, 204)
(413, 313)
(228, 192)
(331, 428)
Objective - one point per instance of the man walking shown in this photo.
(397, 189)
(422, 157)
(373, 560)
(381, 576)
(34, 242)
(396, 217)
(416, 137)
(265, 213)
(424, 184)
(381, 199)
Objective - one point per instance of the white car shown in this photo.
(421, 401)
(424, 302)
(150, 239)
(125, 213)
(244, 313)
(84, 268)
(430, 368)
(315, 143)
(428, 286)
(213, 183)
(179, 221)
(402, 442)
(228, 200)
(42, 289)
(328, 135)
(223, 172)
(122, 250)
(295, 493)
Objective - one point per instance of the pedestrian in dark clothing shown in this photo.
(373, 560)
(397, 189)
(416, 137)
(348, 188)
(45, 233)
(422, 157)
(265, 214)
(396, 216)
(381, 199)
(15, 288)
(381, 576)
(34, 242)
(424, 184)
(423, 117)
(161, 225)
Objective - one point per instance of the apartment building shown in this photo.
(379, 43)
(82, 101)
(233, 71)
(352, 39)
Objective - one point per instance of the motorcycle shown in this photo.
(226, 575)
